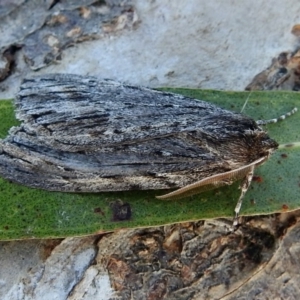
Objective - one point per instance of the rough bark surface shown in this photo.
(57, 25)
(202, 260)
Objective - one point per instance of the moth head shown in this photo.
(263, 145)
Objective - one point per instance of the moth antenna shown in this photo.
(246, 102)
(289, 145)
(264, 122)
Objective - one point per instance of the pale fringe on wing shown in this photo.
(212, 182)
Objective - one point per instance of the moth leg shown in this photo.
(244, 188)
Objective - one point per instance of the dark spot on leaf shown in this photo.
(98, 210)
(258, 179)
(283, 155)
(121, 211)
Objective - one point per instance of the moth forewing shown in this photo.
(213, 182)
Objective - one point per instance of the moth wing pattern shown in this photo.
(82, 134)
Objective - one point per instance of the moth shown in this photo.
(81, 134)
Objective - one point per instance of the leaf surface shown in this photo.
(32, 213)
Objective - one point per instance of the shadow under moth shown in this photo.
(81, 134)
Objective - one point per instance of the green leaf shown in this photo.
(31, 213)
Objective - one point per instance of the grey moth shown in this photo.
(81, 134)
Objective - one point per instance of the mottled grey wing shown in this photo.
(80, 134)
